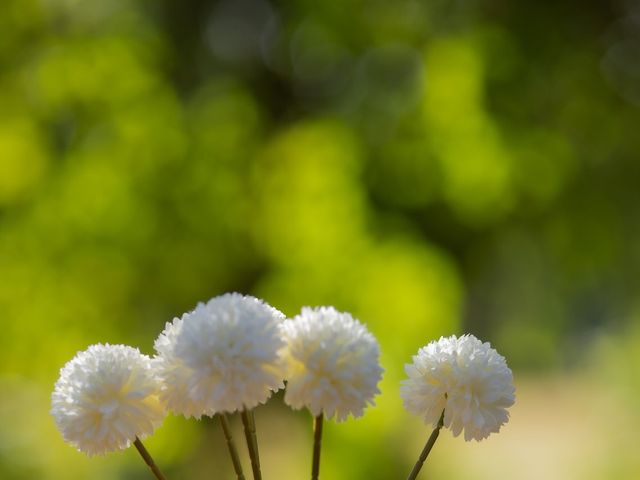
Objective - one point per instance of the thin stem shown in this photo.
(148, 460)
(427, 448)
(252, 442)
(317, 444)
(237, 466)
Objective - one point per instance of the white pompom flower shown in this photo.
(221, 357)
(467, 379)
(332, 363)
(174, 374)
(105, 398)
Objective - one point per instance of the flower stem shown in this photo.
(148, 460)
(427, 448)
(317, 443)
(252, 442)
(237, 466)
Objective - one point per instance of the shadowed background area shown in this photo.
(433, 167)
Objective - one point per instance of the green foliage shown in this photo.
(432, 167)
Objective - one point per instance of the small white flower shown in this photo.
(221, 357)
(174, 373)
(106, 396)
(332, 363)
(467, 379)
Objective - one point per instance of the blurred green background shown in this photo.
(433, 167)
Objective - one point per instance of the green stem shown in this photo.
(427, 448)
(252, 442)
(148, 460)
(235, 458)
(317, 444)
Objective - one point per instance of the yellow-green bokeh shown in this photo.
(432, 167)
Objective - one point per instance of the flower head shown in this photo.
(332, 363)
(221, 357)
(467, 379)
(174, 373)
(106, 396)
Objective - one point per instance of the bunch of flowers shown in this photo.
(230, 354)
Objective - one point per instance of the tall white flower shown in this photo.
(467, 379)
(221, 357)
(332, 363)
(106, 396)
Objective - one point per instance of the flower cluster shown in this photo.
(226, 355)
(231, 353)
(465, 378)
